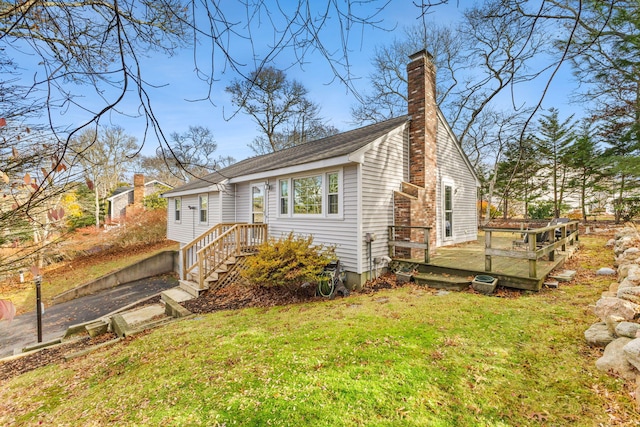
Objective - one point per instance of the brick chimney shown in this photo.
(415, 203)
(138, 191)
(421, 79)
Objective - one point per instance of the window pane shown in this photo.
(333, 203)
(332, 197)
(203, 208)
(284, 197)
(178, 203)
(447, 198)
(307, 195)
(333, 183)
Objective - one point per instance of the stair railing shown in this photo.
(236, 240)
(190, 251)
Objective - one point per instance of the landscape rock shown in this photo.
(614, 360)
(606, 271)
(624, 270)
(629, 293)
(613, 287)
(631, 351)
(610, 243)
(598, 335)
(627, 329)
(625, 232)
(606, 307)
(625, 243)
(612, 322)
(633, 273)
(632, 252)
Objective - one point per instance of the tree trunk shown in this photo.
(97, 202)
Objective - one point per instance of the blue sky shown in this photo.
(179, 85)
(176, 86)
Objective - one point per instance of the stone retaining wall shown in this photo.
(619, 311)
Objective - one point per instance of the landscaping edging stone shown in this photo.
(619, 311)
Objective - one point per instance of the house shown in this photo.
(126, 199)
(346, 189)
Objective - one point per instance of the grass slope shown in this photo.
(407, 356)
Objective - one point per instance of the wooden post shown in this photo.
(237, 239)
(390, 240)
(532, 262)
(427, 232)
(487, 245)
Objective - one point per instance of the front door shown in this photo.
(258, 203)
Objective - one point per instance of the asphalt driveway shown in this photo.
(22, 331)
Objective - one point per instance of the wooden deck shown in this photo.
(468, 260)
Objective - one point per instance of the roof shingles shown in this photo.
(326, 148)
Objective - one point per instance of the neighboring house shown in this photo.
(348, 187)
(125, 199)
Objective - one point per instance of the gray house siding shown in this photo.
(341, 231)
(455, 171)
(228, 204)
(383, 171)
(189, 225)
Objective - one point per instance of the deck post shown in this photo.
(237, 240)
(533, 263)
(427, 233)
(487, 245)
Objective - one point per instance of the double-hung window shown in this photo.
(203, 207)
(313, 195)
(177, 208)
(284, 197)
(448, 211)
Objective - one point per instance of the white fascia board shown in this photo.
(358, 156)
(209, 189)
(304, 167)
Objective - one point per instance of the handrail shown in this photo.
(393, 243)
(235, 240)
(568, 233)
(189, 257)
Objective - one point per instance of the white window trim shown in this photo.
(447, 182)
(177, 199)
(200, 196)
(325, 196)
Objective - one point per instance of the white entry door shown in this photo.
(258, 203)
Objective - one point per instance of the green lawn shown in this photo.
(393, 358)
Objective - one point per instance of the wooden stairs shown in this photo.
(225, 274)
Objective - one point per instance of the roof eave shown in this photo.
(303, 167)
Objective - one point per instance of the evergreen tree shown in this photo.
(553, 142)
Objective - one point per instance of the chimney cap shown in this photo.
(420, 54)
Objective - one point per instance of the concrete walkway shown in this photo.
(56, 319)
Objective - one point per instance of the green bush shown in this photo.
(542, 210)
(155, 201)
(288, 262)
(628, 208)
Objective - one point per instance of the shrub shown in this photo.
(288, 262)
(628, 208)
(142, 227)
(542, 210)
(155, 201)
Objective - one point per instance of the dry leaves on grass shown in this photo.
(29, 362)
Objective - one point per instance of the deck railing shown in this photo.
(207, 253)
(535, 243)
(403, 236)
